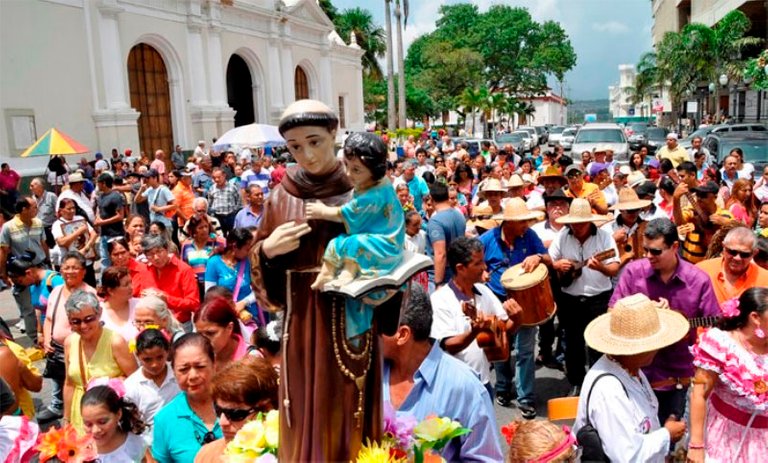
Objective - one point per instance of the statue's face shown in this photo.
(313, 148)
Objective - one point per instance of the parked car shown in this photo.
(753, 144)
(528, 139)
(543, 134)
(655, 138)
(638, 137)
(591, 136)
(514, 139)
(722, 128)
(534, 134)
(474, 147)
(567, 137)
(555, 132)
(634, 127)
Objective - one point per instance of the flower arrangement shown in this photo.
(256, 441)
(66, 445)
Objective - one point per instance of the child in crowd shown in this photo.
(266, 343)
(540, 441)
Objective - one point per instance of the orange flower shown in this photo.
(48, 444)
(761, 387)
(74, 448)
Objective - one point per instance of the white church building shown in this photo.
(150, 74)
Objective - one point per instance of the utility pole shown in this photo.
(391, 122)
(400, 68)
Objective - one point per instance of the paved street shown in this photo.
(549, 383)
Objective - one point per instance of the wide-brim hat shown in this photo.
(77, 177)
(516, 210)
(635, 178)
(482, 217)
(629, 200)
(492, 184)
(552, 172)
(515, 180)
(581, 212)
(635, 325)
(557, 195)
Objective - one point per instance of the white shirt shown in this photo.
(81, 199)
(627, 423)
(535, 200)
(148, 397)
(449, 320)
(57, 229)
(416, 243)
(425, 168)
(591, 282)
(654, 213)
(133, 449)
(545, 232)
(611, 195)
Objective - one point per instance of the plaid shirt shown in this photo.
(225, 200)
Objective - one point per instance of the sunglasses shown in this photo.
(205, 439)
(742, 254)
(233, 414)
(87, 320)
(653, 251)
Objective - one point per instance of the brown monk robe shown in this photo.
(319, 419)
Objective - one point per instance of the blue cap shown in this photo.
(597, 167)
(99, 155)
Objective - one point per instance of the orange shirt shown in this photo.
(183, 198)
(587, 189)
(754, 276)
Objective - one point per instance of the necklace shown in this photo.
(366, 356)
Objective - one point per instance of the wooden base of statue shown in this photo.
(330, 387)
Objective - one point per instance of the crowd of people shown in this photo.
(136, 270)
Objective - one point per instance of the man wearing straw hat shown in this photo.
(492, 192)
(628, 224)
(550, 180)
(617, 399)
(585, 296)
(662, 275)
(505, 246)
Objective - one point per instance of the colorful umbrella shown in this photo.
(54, 142)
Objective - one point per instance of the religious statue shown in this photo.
(330, 385)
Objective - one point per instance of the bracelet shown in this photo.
(695, 446)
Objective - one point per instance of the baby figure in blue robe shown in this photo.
(374, 220)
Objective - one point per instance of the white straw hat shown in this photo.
(516, 210)
(581, 212)
(629, 200)
(635, 325)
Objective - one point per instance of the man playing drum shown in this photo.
(510, 244)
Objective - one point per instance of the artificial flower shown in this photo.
(372, 452)
(48, 446)
(509, 430)
(761, 387)
(399, 429)
(66, 445)
(256, 438)
(272, 430)
(730, 308)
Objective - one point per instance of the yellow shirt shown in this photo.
(677, 155)
(24, 398)
(588, 188)
(695, 244)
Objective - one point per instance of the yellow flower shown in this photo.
(272, 429)
(435, 428)
(249, 439)
(372, 452)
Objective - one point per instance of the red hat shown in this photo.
(128, 152)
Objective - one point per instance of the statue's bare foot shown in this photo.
(325, 276)
(345, 277)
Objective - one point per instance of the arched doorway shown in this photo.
(301, 84)
(151, 97)
(240, 90)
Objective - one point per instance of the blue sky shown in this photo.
(604, 33)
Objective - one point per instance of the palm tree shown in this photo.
(400, 66)
(497, 102)
(471, 99)
(370, 37)
(525, 110)
(391, 122)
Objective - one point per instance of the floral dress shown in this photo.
(742, 384)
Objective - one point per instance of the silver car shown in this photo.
(515, 139)
(534, 134)
(592, 136)
(527, 138)
(567, 137)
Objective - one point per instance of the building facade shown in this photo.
(150, 74)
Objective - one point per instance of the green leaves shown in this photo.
(370, 37)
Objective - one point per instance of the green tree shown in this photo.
(470, 100)
(328, 9)
(369, 35)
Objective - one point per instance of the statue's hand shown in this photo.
(284, 239)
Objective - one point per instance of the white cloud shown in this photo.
(611, 27)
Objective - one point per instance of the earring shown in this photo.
(759, 333)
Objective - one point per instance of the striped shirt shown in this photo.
(224, 200)
(19, 238)
(197, 258)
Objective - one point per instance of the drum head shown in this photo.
(515, 279)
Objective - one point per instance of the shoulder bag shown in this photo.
(588, 437)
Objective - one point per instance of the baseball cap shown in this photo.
(98, 155)
(128, 152)
(645, 189)
(572, 168)
(597, 167)
(707, 188)
(186, 173)
(623, 171)
(671, 136)
(151, 173)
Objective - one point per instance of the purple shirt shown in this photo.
(689, 291)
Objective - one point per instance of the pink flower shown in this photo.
(113, 383)
(730, 308)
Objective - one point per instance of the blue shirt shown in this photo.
(246, 218)
(221, 274)
(418, 188)
(447, 387)
(178, 432)
(39, 292)
(498, 256)
(202, 180)
(445, 225)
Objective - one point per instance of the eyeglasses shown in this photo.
(87, 320)
(736, 252)
(205, 439)
(653, 251)
(233, 414)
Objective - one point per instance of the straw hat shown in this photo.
(482, 218)
(629, 200)
(77, 177)
(581, 212)
(635, 325)
(491, 184)
(635, 178)
(516, 210)
(552, 172)
(515, 181)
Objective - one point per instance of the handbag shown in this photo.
(55, 368)
(588, 437)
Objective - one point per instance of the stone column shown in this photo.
(112, 64)
(325, 73)
(197, 70)
(216, 66)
